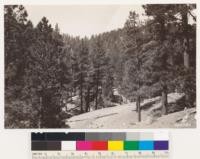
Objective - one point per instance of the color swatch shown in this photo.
(99, 141)
(115, 145)
(131, 145)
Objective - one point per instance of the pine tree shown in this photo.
(83, 68)
(108, 82)
(166, 20)
(134, 62)
(187, 31)
(98, 62)
(45, 74)
(185, 11)
(159, 12)
(18, 37)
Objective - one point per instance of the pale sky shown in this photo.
(83, 20)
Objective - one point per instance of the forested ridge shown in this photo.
(45, 70)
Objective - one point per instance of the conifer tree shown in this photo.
(134, 62)
(98, 62)
(44, 75)
(83, 66)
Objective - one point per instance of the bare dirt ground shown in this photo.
(124, 116)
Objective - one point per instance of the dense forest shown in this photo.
(45, 69)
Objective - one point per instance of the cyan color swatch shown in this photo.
(146, 145)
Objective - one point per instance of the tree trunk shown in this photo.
(184, 16)
(97, 91)
(138, 95)
(162, 29)
(186, 54)
(96, 98)
(41, 114)
(88, 100)
(46, 111)
(81, 94)
(138, 108)
(164, 100)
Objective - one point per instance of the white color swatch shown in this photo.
(68, 145)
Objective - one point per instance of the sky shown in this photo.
(83, 20)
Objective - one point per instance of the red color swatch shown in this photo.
(99, 145)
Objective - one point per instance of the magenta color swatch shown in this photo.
(83, 145)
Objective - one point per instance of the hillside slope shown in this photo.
(125, 116)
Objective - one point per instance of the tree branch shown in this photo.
(194, 18)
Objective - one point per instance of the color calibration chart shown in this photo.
(108, 145)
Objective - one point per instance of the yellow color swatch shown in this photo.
(115, 145)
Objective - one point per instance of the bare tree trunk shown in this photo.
(184, 16)
(162, 29)
(164, 100)
(96, 98)
(45, 112)
(138, 96)
(81, 94)
(88, 100)
(97, 91)
(186, 54)
(138, 108)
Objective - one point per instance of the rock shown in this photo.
(149, 120)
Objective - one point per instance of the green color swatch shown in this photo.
(131, 145)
